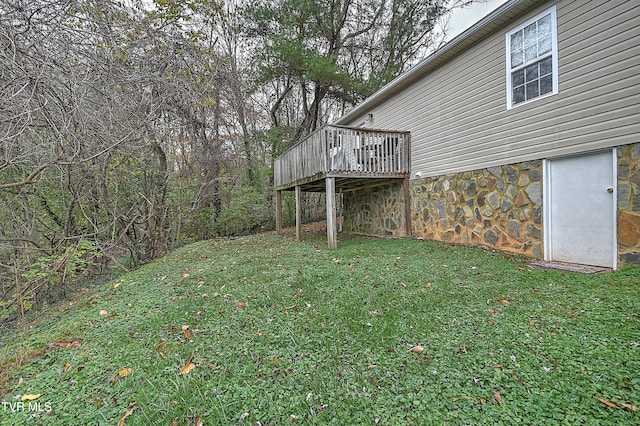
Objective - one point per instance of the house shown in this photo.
(524, 137)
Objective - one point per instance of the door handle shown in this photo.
(610, 190)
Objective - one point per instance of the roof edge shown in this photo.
(458, 43)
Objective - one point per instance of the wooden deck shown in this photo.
(342, 158)
(353, 156)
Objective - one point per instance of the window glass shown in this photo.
(532, 59)
(517, 55)
(517, 78)
(546, 84)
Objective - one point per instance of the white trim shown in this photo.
(546, 208)
(614, 185)
(554, 56)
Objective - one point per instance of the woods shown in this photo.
(130, 128)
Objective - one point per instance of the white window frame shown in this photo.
(553, 54)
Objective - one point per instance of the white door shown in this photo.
(580, 210)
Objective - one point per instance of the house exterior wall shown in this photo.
(458, 117)
(629, 203)
(378, 211)
(498, 207)
(476, 165)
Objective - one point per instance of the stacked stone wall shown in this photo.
(498, 207)
(378, 210)
(629, 203)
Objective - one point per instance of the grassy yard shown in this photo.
(263, 330)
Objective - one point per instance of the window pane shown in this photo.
(530, 53)
(546, 66)
(517, 58)
(546, 84)
(530, 42)
(531, 72)
(518, 95)
(516, 49)
(517, 78)
(544, 27)
(532, 90)
(531, 34)
(544, 45)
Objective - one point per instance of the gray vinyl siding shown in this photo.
(458, 116)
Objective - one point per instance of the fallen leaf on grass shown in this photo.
(607, 403)
(127, 414)
(125, 372)
(187, 333)
(30, 397)
(498, 398)
(417, 349)
(68, 345)
(198, 421)
(103, 312)
(630, 407)
(188, 366)
(504, 301)
(241, 305)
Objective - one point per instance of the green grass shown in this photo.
(325, 338)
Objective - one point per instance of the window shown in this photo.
(532, 59)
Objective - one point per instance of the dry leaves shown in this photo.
(613, 405)
(127, 414)
(498, 398)
(241, 305)
(607, 403)
(161, 348)
(68, 345)
(188, 366)
(125, 372)
(417, 349)
(30, 397)
(187, 333)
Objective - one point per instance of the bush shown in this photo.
(246, 211)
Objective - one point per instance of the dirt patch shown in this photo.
(308, 228)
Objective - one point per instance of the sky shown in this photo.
(464, 18)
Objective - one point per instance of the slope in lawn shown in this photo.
(262, 329)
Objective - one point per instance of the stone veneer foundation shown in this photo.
(377, 210)
(629, 203)
(498, 207)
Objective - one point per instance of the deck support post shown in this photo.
(407, 206)
(332, 230)
(298, 214)
(278, 212)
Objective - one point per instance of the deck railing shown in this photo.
(344, 150)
